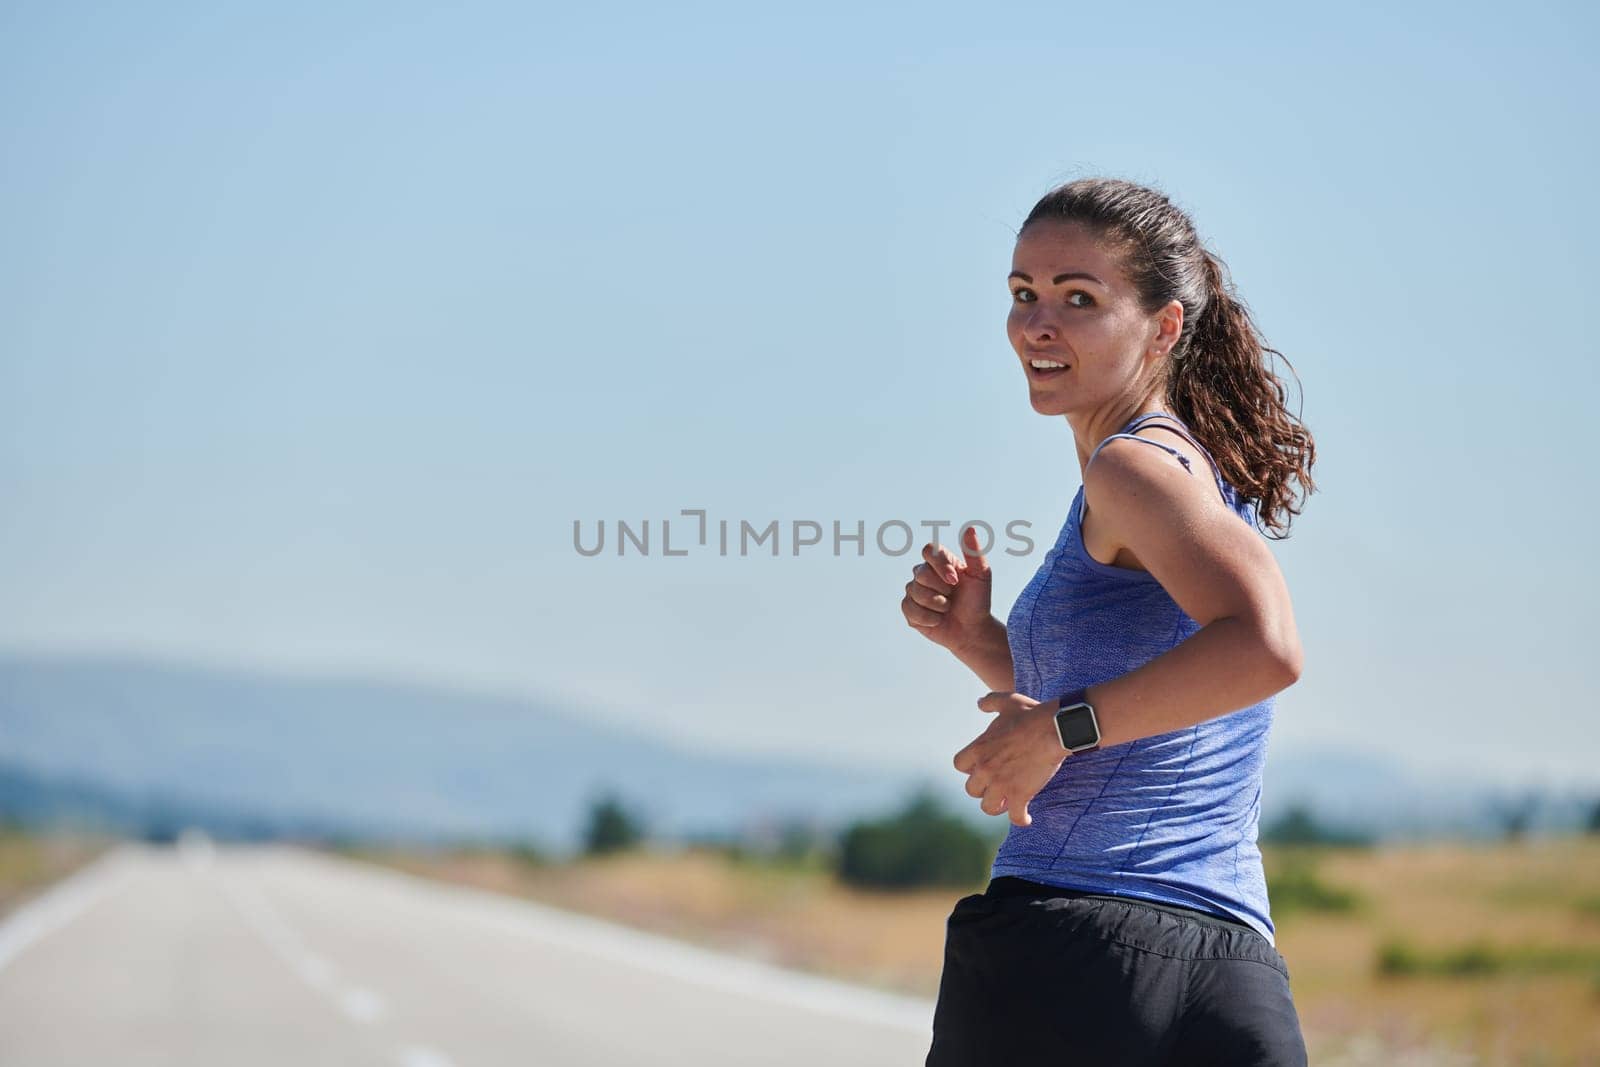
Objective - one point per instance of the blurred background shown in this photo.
(333, 340)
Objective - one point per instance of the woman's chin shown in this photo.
(1045, 404)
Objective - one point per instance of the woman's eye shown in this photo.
(1027, 296)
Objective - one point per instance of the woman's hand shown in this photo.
(1015, 757)
(947, 599)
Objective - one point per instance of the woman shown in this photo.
(1126, 920)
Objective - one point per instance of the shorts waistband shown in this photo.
(1008, 885)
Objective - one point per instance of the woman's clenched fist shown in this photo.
(947, 598)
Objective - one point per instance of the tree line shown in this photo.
(922, 844)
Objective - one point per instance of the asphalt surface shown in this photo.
(204, 954)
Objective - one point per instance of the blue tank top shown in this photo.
(1170, 818)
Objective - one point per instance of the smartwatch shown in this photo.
(1076, 725)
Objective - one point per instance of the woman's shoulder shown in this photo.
(1147, 450)
(1138, 480)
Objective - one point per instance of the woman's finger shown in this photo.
(993, 802)
(977, 564)
(921, 594)
(923, 574)
(919, 616)
(940, 559)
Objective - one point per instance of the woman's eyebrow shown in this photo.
(1059, 278)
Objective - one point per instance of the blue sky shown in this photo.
(318, 330)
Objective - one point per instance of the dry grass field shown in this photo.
(29, 864)
(1493, 950)
(1399, 955)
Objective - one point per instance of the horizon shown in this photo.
(642, 730)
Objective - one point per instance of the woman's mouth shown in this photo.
(1040, 369)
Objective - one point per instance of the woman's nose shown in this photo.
(1040, 328)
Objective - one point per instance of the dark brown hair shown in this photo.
(1218, 380)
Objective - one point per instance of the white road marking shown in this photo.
(316, 972)
(73, 895)
(362, 1005)
(517, 916)
(269, 925)
(358, 1004)
(62, 903)
(417, 1056)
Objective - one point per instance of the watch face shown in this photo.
(1077, 726)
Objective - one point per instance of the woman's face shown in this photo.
(1072, 305)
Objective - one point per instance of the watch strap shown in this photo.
(1068, 699)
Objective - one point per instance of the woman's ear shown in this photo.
(1169, 327)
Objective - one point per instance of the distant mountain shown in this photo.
(1379, 796)
(391, 759)
(30, 799)
(253, 751)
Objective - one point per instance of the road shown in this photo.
(243, 955)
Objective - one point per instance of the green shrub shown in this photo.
(611, 828)
(1293, 885)
(920, 846)
(1298, 826)
(1396, 957)
(1478, 957)
(529, 853)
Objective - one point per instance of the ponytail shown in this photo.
(1222, 386)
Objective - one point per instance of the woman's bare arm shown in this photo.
(1219, 571)
(988, 655)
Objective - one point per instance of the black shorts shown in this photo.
(1035, 974)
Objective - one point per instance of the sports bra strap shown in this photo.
(1143, 420)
